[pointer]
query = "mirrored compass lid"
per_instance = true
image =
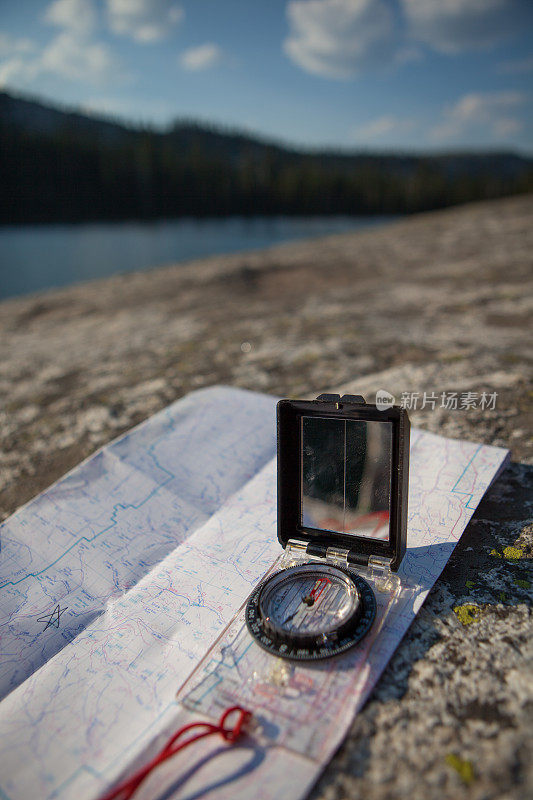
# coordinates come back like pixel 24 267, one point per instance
pixel 343 470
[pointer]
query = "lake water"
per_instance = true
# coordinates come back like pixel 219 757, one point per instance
pixel 35 257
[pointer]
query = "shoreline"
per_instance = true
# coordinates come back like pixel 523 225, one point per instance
pixel 44 257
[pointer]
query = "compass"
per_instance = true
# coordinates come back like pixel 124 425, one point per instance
pixel 310 611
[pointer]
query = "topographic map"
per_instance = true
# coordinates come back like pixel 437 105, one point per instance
pixel 117 581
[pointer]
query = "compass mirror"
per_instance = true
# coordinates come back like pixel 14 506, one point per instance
pixel 345 476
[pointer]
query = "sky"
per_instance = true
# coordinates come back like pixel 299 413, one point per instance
pixel 416 75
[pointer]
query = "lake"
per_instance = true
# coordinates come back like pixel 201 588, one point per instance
pixel 36 257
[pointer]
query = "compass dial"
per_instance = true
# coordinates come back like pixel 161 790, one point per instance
pixel 308 603
pixel 310 611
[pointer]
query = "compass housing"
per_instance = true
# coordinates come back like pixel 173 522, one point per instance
pixel 292 416
pixel 340 614
pixel 331 630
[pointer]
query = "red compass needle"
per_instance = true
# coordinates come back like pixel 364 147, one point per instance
pixel 320 584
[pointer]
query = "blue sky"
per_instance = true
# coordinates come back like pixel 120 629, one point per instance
pixel 378 74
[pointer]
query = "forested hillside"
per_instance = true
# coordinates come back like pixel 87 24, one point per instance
pixel 58 165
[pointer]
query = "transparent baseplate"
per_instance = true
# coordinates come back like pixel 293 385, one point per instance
pixel 294 704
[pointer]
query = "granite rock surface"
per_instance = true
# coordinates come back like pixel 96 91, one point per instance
pixel 439 303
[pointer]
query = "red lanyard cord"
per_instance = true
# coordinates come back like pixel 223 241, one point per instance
pixel 125 790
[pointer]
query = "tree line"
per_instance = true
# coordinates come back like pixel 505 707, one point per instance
pixel 73 173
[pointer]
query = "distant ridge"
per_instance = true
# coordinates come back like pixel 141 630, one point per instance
pixel 62 165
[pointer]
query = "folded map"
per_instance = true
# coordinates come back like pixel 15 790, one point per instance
pixel 117 580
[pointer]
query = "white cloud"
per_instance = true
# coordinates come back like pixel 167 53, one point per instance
pixel 480 107
pixel 75 15
pixel 10 45
pixel 382 126
pixel 70 57
pixel 452 26
pixel 13 71
pixel 338 38
pixel 495 112
pixel 506 126
pixel 202 57
pixel 341 38
pixel 145 21
pixel 72 54
pixel 66 56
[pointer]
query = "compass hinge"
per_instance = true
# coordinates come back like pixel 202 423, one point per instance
pixel 295 549
pixel 337 556
pixel 379 565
